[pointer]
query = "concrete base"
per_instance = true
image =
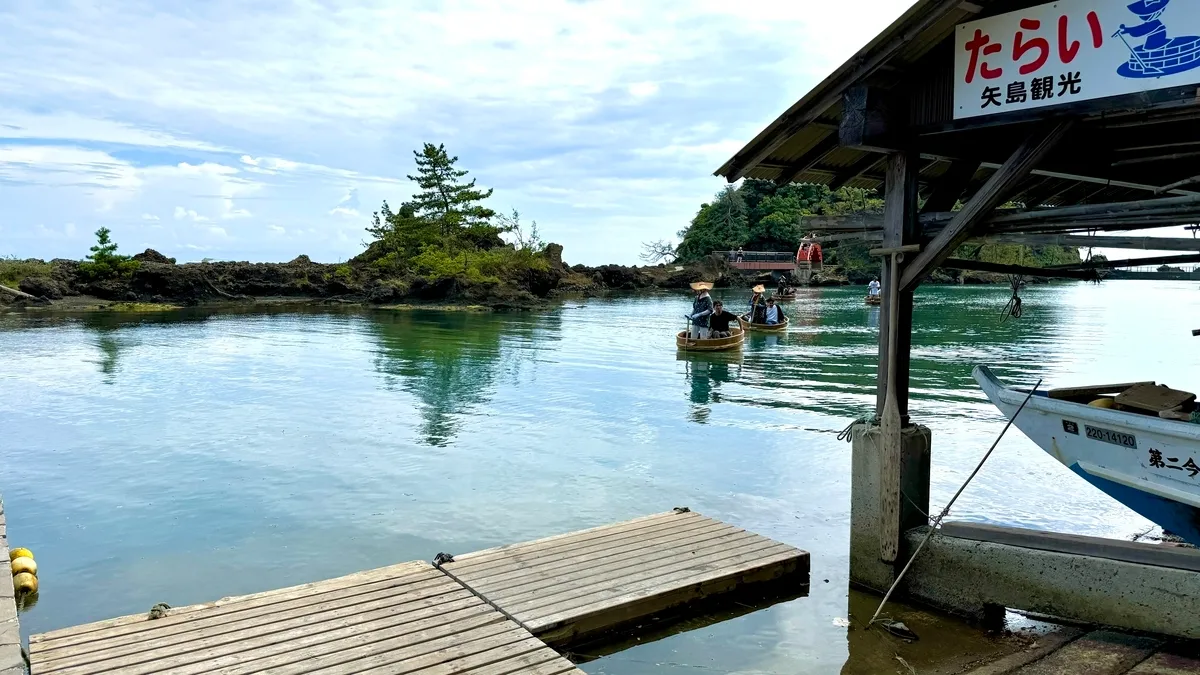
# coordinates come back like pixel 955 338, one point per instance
pixel 866 567
pixel 968 577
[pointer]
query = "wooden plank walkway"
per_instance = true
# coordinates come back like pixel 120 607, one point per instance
pixel 1073 651
pixel 408 618
pixel 487 613
pixel 573 586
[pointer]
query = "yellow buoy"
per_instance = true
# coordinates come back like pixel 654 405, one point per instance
pixel 1102 403
pixel 19 553
pixel 22 565
pixel 25 583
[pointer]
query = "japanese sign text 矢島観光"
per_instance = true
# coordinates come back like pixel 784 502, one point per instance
pixel 1074 50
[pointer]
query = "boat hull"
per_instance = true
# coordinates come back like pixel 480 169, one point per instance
pixel 1141 461
pixel 734 341
pixel 764 327
pixel 873 300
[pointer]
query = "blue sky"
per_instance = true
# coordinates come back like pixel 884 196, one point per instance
pixel 263 130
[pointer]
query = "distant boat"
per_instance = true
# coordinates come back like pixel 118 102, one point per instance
pixel 1150 464
pixel 874 300
pixel 734 341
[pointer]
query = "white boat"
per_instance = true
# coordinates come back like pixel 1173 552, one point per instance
pixel 1150 464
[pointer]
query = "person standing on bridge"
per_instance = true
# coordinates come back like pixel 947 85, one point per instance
pixel 740 256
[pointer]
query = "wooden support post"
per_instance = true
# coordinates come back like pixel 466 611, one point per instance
pixel 979 208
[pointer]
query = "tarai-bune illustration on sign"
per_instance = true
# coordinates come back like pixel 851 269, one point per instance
pixel 1075 50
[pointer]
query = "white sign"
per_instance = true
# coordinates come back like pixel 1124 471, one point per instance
pixel 1074 50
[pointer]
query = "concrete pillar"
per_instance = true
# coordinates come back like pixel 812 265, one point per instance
pixel 866 512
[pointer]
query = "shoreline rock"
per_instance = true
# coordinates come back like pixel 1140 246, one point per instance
pixel 160 281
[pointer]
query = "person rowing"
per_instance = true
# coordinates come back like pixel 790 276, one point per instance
pixel 702 307
pixel 758 305
pixel 873 287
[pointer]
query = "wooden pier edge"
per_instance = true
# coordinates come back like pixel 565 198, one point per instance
pixel 553 591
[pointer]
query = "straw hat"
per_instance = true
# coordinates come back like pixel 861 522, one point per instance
pixel 759 288
pixel 702 285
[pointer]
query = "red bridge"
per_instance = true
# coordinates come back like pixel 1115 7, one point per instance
pixel 807 259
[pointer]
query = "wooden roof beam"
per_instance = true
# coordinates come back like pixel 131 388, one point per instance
pixel 983 203
pixel 1081 241
pixel 950 186
pixel 855 170
pixel 809 159
pixel 1132 262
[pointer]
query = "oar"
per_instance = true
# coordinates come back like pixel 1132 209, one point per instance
pixel 889 423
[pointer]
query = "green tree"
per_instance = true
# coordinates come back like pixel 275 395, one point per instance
pixel 104 262
pixel 454 206
pixel 719 226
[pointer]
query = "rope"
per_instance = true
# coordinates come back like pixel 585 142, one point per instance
pixel 443 558
pixel 847 433
pixel 937 522
pixel 1014 308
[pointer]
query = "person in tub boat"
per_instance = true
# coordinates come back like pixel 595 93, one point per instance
pixel 774 313
pixel 719 320
pixel 873 287
pixel 702 307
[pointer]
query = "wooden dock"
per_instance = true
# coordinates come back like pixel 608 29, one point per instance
pixel 482 613
pixel 571 587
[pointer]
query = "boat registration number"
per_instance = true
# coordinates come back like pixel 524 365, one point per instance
pixel 1110 436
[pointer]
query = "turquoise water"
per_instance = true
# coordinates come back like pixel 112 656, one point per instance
pixel 192 455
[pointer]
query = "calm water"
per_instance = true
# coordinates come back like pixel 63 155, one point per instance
pixel 190 456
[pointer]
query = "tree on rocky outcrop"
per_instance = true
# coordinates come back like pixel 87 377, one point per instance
pixel 104 262
pixel 454 206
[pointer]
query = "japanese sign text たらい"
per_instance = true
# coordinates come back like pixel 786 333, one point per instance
pixel 1074 50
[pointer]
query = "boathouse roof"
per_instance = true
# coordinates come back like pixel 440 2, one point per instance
pixel 1124 148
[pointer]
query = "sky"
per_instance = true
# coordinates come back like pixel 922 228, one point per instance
pixel 264 130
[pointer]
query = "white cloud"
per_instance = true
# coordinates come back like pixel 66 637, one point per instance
pixel 602 120
pixel 643 89
pixel 189 214
pixel 218 231
pixel 149 216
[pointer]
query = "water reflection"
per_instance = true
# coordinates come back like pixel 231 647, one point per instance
pixel 705 374
pixel 451 361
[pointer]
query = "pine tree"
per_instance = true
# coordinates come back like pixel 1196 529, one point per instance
pixel 103 261
pixel 454 206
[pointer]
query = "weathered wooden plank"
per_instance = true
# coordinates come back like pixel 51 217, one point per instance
pixel 592 551
pixel 516 568
pixel 1171 661
pixel 643 567
pixel 296 633
pixel 407 658
pixel 399 632
pixel 515 657
pixel 271 617
pixel 1097 653
pixel 429 583
pixel 609 592
pixel 583 622
pixel 566 541
pixel 404 573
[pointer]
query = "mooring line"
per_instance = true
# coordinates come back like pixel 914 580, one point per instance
pixel 442 558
